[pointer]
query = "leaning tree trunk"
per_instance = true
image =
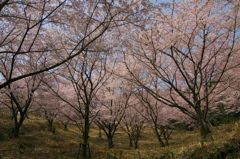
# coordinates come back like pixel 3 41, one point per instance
pixel 158 136
pixel 165 134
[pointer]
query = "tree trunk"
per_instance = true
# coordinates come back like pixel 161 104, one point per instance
pixel 50 126
pixel 130 140
pixel 15 132
pixel 84 150
pixel 85 142
pixel 159 136
pixel 66 127
pixel 99 132
pixel 110 141
pixel 109 130
pixel 136 144
pixel 165 135
pixel 65 124
pixel 17 125
pixel 85 132
pixel 83 147
pixel 204 129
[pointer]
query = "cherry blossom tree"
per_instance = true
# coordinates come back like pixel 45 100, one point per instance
pixel 115 98
pixel 159 116
pixel 59 30
pixel 67 116
pixel 186 50
pixel 49 106
pixel 226 103
pixel 81 80
pixel 84 75
pixel 23 25
pixel 19 98
pixel 21 94
pixel 133 124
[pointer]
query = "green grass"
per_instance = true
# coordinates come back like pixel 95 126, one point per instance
pixel 36 141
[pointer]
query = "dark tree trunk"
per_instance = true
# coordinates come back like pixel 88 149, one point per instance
pixel 84 145
pixel 159 136
pixel 203 124
pixel 164 132
pixel 99 132
pixel 109 130
pixel 136 144
pixel 50 124
pixel 85 132
pixel 137 136
pixel 110 141
pixel 15 132
pixel 168 133
pixel 130 140
pixel 17 124
pixel 66 127
pixel 65 124
pixel 204 129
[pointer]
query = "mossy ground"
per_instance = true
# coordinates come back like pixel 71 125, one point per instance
pixel 37 142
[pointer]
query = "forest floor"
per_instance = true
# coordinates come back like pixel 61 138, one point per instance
pixel 36 142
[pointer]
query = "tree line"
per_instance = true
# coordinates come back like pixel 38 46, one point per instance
pixel 119 63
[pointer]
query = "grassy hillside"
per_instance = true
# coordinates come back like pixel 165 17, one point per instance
pixel 37 142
